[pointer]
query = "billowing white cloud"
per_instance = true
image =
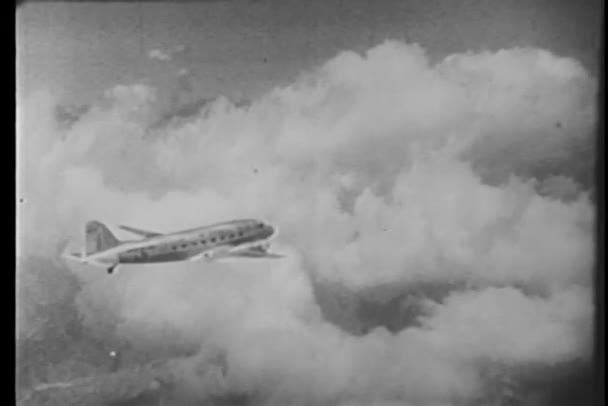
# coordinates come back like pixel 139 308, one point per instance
pixel 380 170
pixel 504 324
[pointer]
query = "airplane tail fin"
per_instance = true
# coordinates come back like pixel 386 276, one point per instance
pixel 99 238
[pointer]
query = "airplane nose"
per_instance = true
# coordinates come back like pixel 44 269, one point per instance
pixel 269 230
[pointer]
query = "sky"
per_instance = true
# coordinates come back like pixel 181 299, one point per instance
pixel 244 48
pixel 428 165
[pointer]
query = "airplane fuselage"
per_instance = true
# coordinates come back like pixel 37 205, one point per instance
pixel 209 242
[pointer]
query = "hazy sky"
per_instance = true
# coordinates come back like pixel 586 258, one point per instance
pixel 242 48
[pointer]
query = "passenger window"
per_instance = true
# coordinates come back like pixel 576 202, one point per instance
pixel 203 242
pixel 213 240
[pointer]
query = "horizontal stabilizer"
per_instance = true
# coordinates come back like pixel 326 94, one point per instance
pixel 74 256
pixel 143 233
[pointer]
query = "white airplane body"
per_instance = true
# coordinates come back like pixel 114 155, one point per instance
pixel 246 238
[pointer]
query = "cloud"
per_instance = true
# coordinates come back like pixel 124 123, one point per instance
pixel 561 187
pixel 505 324
pixel 159 55
pixel 382 170
pixel 167 54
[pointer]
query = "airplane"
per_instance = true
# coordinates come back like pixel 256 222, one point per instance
pixel 245 238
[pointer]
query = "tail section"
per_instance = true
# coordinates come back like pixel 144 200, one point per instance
pixel 99 238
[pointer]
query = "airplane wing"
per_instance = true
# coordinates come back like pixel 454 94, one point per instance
pixel 143 233
pixel 211 255
pixel 254 252
pixel 223 253
pixel 200 256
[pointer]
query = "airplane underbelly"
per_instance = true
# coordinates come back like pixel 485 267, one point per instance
pixel 169 257
pixel 155 258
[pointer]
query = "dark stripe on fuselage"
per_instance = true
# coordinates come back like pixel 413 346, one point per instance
pixel 168 257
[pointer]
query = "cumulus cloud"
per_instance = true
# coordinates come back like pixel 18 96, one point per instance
pixel 560 186
pixel 381 170
pixel 505 324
